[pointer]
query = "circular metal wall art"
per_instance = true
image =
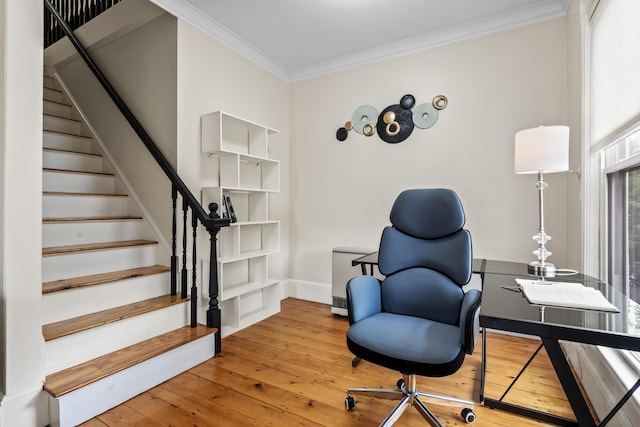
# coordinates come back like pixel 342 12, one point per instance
pixel 399 128
pixel 364 115
pixel 440 102
pixel 396 122
pixel 425 116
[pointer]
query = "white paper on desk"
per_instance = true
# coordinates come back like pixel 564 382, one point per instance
pixel 565 294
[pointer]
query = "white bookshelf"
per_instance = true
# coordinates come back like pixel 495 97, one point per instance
pixel 247 175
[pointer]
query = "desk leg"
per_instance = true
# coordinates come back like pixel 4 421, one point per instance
pixel 483 363
pixel 619 405
pixel 513 408
pixel 569 383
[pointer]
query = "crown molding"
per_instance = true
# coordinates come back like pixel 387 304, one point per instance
pixel 543 10
pixel 520 17
pixel 209 26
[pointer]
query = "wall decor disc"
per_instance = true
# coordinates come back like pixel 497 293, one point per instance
pixel 407 101
pixel 397 130
pixel 425 116
pixel 342 134
pixel 363 115
pixel 440 102
pixel 368 129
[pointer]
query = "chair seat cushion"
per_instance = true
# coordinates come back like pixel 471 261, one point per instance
pixel 411 345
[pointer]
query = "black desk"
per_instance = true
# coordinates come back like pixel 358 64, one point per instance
pixel 507 310
pixel 371 260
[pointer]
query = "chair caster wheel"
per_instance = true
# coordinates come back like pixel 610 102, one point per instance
pixel 468 415
pixel 400 384
pixel 349 403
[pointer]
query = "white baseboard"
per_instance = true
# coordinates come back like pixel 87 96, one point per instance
pixel 305 290
pixel 27 408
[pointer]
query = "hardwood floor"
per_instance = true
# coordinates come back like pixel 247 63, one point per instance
pixel 294 368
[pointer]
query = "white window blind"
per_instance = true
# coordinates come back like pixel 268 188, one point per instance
pixel 615 71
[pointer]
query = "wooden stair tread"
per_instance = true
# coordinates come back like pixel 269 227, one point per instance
pixel 76 171
pixel 55 102
pixel 91 219
pixel 81 194
pixel 65 133
pixel 68 380
pixel 63 328
pixel 56 250
pixel 97 279
pixel 60 150
pixel 61 117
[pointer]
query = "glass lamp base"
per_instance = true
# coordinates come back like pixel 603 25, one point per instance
pixel 542 269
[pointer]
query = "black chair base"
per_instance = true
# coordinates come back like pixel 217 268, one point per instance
pixel 408 395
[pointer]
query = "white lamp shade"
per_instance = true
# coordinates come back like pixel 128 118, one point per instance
pixel 542 149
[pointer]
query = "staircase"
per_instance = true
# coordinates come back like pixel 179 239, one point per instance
pixel 111 328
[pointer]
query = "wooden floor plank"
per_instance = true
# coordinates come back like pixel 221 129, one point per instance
pixel 297 362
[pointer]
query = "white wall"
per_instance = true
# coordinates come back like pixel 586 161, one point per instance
pixel 141 65
pixel 496 84
pixel 22 367
pixel 213 78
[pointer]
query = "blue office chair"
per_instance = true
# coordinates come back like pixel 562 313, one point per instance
pixel 418 320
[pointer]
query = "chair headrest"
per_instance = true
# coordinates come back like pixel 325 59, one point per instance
pixel 429 213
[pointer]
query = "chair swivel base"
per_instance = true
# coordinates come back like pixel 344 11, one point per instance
pixel 408 395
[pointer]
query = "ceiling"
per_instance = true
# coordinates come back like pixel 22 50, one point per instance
pixel 298 39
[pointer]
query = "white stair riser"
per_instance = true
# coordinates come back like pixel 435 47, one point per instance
pixel 77 183
pixel 57 206
pixel 72 161
pixel 107 338
pixel 56 267
pixel 81 405
pixel 60 124
pixel 57 306
pixel 56 109
pixel 76 233
pixel 52 95
pixel 48 82
pixel 66 142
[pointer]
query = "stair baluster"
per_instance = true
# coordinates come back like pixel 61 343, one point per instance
pixel 183 287
pixel 76 13
pixel 174 256
pixel 194 287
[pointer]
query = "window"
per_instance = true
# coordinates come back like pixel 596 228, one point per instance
pixel 612 147
pixel 623 205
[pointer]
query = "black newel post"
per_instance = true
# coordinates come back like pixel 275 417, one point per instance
pixel 214 318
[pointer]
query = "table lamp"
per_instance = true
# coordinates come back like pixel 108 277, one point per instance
pixel 541 150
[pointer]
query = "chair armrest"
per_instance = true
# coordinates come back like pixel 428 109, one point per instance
pixel 469 319
pixel 363 298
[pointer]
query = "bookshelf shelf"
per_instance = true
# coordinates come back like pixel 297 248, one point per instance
pixel 246 178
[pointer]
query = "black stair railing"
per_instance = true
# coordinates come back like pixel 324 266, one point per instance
pixel 75 13
pixel 211 221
